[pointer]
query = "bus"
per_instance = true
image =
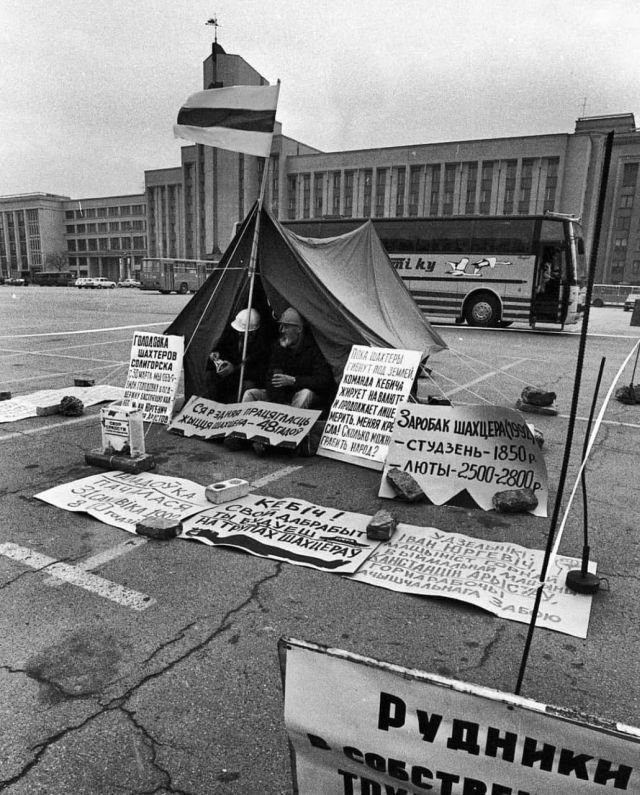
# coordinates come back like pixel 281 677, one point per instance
pixel 611 294
pixel 485 270
pixel 174 275
pixel 53 278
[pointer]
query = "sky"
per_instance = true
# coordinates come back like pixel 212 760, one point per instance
pixel 90 89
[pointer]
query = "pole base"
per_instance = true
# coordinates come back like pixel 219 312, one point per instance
pixel 582 583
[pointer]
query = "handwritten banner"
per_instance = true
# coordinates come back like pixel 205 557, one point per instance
pixel 154 372
pixel 478 449
pixel 19 408
pixel 122 500
pixel 500 577
pixel 374 382
pixel 365 727
pixel 274 423
pixel 292 530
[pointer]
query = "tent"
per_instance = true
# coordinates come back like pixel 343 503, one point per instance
pixel 345 287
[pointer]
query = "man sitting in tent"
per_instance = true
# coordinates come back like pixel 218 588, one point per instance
pixel 224 363
pixel 298 373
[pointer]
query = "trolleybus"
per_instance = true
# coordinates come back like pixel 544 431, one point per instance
pixel 174 275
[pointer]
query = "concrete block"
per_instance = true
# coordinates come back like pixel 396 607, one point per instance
pixel 84 380
pixel 45 411
pixel 227 490
pixel 5 395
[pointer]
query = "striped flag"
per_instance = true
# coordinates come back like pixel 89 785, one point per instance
pixel 240 118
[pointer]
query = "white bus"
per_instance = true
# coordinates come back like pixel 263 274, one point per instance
pixel 485 270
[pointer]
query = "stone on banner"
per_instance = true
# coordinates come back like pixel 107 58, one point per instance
pixel 84 380
pixel 404 485
pixel 515 501
pixel 71 406
pixel 159 528
pixel 382 526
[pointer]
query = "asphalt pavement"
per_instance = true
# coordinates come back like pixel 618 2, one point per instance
pixel 186 694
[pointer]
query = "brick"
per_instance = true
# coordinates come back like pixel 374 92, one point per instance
pixel 226 490
pixel 381 527
pixel 159 528
pixel 132 465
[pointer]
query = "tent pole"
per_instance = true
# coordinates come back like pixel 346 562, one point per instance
pixel 252 272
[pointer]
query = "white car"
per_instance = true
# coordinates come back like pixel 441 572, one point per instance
pixel 129 283
pixel 95 283
pixel 630 300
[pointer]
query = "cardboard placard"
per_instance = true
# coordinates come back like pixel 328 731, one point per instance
pixel 122 430
pixel 478 449
pixel 359 425
pixel 274 423
pixel 361 726
pixel 154 373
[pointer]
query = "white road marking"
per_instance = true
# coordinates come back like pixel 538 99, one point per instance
pixel 464 387
pixel 62 356
pixel 83 331
pixel 74 575
pixel 279 473
pixel 107 555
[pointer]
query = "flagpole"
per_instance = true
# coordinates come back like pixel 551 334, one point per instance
pixel 252 264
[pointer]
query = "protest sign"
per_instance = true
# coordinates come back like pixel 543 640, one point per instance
pixel 122 500
pixel 482 450
pixel 359 425
pixel 24 406
pixel 286 529
pixel 359 726
pixel 274 423
pixel 497 576
pixel 154 372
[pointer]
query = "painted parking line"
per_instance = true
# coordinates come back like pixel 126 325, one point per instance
pixel 74 575
pixel 464 387
pixel 81 331
pixel 106 556
pixel 279 473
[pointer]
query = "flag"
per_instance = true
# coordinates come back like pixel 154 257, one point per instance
pixel 240 118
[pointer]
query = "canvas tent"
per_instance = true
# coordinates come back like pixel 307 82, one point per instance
pixel 345 287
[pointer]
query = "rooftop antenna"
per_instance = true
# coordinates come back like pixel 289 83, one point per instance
pixel 214 21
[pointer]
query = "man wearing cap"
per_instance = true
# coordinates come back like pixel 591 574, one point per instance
pixel 298 373
pixel 223 364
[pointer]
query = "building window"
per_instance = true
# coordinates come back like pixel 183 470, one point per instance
pixel 336 192
pixel 318 190
pixel 472 179
pixel 381 190
pixel 551 183
pixel 69 214
pixel 414 189
pixel 526 183
pixel 448 193
pixel 348 193
pixel 626 202
pixel 623 222
pixel 367 176
pixel 70 229
pixel 400 188
pixel 635 267
pixel 629 175
pixel 434 198
pixel 80 229
pixel 291 197
pixel 509 186
pixel 114 243
pixel 306 195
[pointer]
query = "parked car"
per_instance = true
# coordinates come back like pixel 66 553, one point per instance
pixel 95 283
pixel 16 281
pixel 630 300
pixel 128 283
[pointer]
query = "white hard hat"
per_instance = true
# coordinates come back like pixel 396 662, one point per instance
pixel 246 315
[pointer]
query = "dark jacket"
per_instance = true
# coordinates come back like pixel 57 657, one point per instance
pixel 309 367
pixel 255 366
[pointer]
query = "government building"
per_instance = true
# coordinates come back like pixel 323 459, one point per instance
pixel 190 211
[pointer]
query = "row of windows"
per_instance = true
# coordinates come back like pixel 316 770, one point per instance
pixel 115 211
pixel 112 226
pixel 106 244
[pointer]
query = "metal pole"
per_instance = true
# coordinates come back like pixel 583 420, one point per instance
pixel 574 407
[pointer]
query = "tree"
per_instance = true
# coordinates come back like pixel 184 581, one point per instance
pixel 56 261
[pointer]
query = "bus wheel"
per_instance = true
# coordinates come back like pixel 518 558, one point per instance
pixel 482 310
pixel 184 288
pixel 597 302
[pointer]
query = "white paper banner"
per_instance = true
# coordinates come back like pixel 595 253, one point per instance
pixel 498 576
pixel 154 372
pixel 122 500
pixel 286 529
pixel 374 382
pixel 478 449
pixel 19 408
